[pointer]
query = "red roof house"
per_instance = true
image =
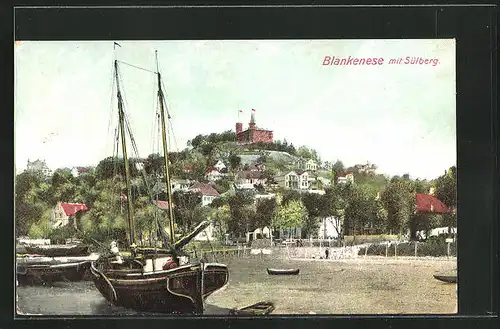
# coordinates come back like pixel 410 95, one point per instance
pixel 426 203
pixel 63 211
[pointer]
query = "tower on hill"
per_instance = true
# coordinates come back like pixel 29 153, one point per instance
pixel 253 134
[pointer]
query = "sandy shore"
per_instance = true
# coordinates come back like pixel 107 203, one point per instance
pixel 371 285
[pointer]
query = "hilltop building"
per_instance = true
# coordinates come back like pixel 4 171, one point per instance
pixel 253 134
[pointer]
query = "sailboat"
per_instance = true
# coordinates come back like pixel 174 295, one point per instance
pixel 152 279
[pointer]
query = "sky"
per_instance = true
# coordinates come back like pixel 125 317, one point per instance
pixel 400 117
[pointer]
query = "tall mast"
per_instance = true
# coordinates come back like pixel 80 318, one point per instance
pixel 165 153
pixel 121 117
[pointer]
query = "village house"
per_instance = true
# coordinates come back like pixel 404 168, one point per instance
pixel 247 179
pixel 78 171
pixel 367 168
pixel 62 213
pixel 208 193
pixel 309 164
pixel 38 166
pixel 257 167
pixel 212 174
pixel 298 180
pixel 220 165
pixel 346 177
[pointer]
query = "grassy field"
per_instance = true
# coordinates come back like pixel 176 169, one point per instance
pixel 359 286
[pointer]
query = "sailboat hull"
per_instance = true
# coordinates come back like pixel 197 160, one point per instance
pixel 177 290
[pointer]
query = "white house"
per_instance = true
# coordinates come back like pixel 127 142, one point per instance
pixel 208 193
pixel 304 180
pixel 212 174
pixel 311 165
pixel 329 228
pixel 219 165
pixel 325 182
pixel 40 166
pixel 347 177
pixel 206 235
pixel 247 178
pixel 77 171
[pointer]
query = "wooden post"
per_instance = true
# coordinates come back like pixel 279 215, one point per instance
pixel 386 250
pixel 416 243
pixel 396 250
pixel 366 250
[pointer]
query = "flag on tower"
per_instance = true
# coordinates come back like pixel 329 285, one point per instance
pixel 253 110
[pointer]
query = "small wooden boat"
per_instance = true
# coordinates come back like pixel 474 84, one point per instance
pixel 58 250
pixel 291 271
pixel 43 270
pixel 260 308
pixel 446 278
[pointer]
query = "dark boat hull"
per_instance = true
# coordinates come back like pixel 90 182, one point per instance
pixel 446 278
pixel 40 273
pixel 58 250
pixel 272 271
pixel 171 291
pixel 260 308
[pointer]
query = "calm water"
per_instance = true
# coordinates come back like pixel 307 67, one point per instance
pixel 76 298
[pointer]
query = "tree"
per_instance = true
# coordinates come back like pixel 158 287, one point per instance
pixel 185 209
pixel 220 217
pixel 290 215
pixel 399 201
pixel 361 210
pixel 315 205
pixel 336 201
pixel 338 167
pixel 241 211
pixel 234 161
pixel 265 212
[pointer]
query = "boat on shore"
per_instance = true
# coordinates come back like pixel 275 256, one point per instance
pixel 38 269
pixel 290 271
pixel 446 278
pixel 58 250
pixel 159 280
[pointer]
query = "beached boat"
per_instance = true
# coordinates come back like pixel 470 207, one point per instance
pixel 46 269
pixel 158 280
pixel 290 271
pixel 446 278
pixel 58 250
pixel 260 308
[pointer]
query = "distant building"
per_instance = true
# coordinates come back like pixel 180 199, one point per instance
pixel 297 180
pixel 249 178
pixel 212 174
pixel 368 168
pixel 253 134
pixel 208 193
pixel 346 177
pixel 77 171
pixel 62 213
pixel 38 166
pixel 309 164
pixel 219 165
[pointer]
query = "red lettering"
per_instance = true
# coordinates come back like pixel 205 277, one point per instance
pixel 327 60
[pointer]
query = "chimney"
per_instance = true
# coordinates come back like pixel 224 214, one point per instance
pixel 239 128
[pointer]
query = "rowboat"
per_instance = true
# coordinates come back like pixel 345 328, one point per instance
pixel 290 271
pixel 446 278
pixel 260 308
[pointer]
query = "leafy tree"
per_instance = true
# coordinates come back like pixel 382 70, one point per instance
pixel 399 201
pixel 361 211
pixel 338 167
pixel 290 215
pixel 220 217
pixel 446 188
pixel 316 207
pixel 234 161
pixel 241 211
pixel 265 212
pixel 185 209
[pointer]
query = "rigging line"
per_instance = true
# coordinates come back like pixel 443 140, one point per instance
pixel 137 67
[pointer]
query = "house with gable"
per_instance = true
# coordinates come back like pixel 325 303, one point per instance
pixel 346 177
pixel 208 193
pixel 212 174
pixel 220 165
pixel 78 171
pixel 249 178
pixel 62 213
